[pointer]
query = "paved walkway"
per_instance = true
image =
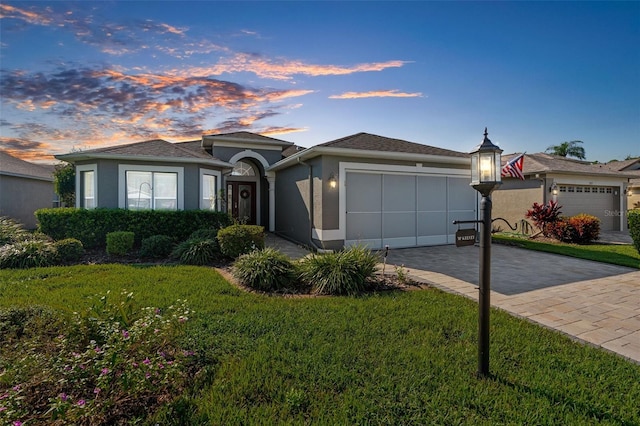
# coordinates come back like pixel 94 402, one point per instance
pixel 590 301
pixel 594 302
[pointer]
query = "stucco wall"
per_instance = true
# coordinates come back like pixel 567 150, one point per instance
pixel 21 197
pixel 512 200
pixel 108 176
pixel 292 206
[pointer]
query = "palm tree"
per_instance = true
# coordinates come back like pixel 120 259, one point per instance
pixel 568 149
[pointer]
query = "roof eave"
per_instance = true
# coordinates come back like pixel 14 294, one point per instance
pixel 371 154
pixel 209 140
pixel 21 175
pixel 73 157
pixel 572 172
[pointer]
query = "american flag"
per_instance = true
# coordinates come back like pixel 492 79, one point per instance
pixel 514 167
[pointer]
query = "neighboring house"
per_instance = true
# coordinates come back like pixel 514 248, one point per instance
pixel 578 186
pixel 633 190
pixel 359 189
pixel 24 188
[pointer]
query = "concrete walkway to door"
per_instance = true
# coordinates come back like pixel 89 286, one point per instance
pixel 591 301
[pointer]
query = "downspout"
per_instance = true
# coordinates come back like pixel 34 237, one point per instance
pixel 311 243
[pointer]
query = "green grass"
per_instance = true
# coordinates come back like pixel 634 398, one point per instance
pixel 386 358
pixel 616 254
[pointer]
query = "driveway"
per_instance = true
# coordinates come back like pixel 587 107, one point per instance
pixel 594 302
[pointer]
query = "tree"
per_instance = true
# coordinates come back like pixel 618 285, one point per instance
pixel 65 183
pixel 568 149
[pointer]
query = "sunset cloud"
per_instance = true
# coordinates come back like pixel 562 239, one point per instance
pixel 100 102
pixel 377 94
pixel 284 69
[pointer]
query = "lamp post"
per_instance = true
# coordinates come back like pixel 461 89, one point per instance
pixel 485 177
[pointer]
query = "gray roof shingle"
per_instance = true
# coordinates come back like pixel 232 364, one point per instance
pixel 367 141
pixel 546 163
pixel 14 166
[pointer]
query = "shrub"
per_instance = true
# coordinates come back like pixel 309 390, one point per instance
pixel 119 243
pixel 266 269
pixel 11 231
pixel 28 254
pixel 28 322
pixel 579 229
pixel 586 228
pixel 91 226
pixel 197 252
pixel 634 227
pixel 236 240
pixel 95 370
pixel 157 247
pixel 544 214
pixel 69 250
pixel 204 234
pixel 345 272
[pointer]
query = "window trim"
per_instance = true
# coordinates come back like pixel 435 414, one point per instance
pixel 122 181
pixel 218 176
pixel 79 170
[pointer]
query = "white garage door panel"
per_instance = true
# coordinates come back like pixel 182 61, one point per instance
pixel 599 204
pixel 403 210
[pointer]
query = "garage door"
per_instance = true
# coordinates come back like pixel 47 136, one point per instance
pixel 599 201
pixel 405 210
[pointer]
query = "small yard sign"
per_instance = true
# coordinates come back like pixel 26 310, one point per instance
pixel 465 237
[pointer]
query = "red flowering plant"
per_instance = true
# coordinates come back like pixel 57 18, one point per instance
pixel 544 215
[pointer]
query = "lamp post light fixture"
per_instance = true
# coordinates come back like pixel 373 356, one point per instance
pixel 485 177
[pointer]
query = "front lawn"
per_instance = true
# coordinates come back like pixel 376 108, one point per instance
pixel 616 254
pixel 385 358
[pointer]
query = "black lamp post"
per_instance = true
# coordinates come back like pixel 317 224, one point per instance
pixel 485 177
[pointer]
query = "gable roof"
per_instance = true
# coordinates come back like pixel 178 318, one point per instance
pixel 625 165
pixel 243 138
pixel 13 166
pixel 366 145
pixel 542 163
pixel 151 150
pixel 370 142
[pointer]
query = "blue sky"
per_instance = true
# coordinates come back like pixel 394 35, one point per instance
pixel 80 75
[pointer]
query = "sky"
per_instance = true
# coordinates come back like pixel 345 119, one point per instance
pixel 82 75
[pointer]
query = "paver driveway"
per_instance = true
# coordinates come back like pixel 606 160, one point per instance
pixel 592 301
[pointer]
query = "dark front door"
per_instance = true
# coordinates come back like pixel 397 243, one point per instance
pixel 241 201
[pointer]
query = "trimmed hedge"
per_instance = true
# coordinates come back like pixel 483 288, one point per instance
pixel 92 226
pixel 236 240
pixel 634 227
pixel 119 243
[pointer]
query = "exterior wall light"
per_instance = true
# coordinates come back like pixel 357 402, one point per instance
pixel 333 181
pixel 553 189
pixel 628 192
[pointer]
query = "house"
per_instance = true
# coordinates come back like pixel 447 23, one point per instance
pixel 24 188
pixel 578 186
pixel 362 188
pixel 631 166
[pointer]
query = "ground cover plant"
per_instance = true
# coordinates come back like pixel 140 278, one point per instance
pixel 616 254
pixel 380 358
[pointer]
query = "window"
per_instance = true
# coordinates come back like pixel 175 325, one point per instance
pixel 243 168
pixel 609 190
pixel 152 190
pixel 86 182
pixel 601 190
pixel 88 194
pixel 150 187
pixel 578 189
pixel 587 189
pixel 209 189
pixel 571 189
pixel 563 188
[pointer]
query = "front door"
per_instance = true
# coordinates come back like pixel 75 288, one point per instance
pixel 241 201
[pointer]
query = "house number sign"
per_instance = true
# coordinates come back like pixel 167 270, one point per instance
pixel 465 237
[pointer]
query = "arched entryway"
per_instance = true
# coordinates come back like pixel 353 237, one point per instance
pixel 243 192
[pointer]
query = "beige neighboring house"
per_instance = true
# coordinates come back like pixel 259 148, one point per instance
pixel 578 186
pixel 633 189
pixel 24 188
